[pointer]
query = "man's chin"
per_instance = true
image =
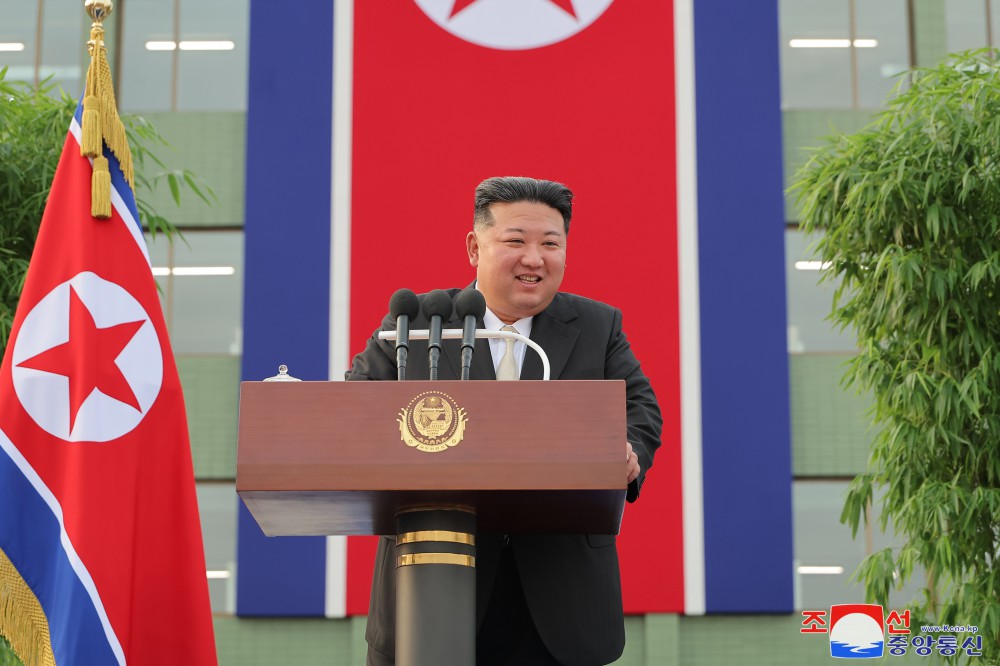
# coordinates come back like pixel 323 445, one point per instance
pixel 531 307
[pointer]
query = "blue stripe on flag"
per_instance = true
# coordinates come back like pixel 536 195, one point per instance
pixel 32 538
pixel 746 444
pixel 120 185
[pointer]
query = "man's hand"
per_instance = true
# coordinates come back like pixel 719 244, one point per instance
pixel 631 463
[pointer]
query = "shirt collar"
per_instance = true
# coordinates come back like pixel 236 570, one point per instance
pixel 491 322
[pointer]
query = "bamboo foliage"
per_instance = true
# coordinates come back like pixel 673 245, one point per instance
pixel 907 212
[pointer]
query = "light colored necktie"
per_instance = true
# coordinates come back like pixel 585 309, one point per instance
pixel 507 370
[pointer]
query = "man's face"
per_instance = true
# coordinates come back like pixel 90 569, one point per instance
pixel 520 260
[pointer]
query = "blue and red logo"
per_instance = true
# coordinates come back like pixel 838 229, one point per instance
pixel 857 631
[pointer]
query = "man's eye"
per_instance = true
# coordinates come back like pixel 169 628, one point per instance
pixel 519 241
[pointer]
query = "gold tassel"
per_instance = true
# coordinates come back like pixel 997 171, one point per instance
pixel 101 125
pixel 112 127
pixel 100 189
pixel 22 620
pixel 91 142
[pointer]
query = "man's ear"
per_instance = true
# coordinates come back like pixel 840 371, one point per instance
pixel 472 247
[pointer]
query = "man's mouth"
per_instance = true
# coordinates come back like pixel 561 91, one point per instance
pixel 529 279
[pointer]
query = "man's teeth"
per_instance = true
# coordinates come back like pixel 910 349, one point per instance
pixel 529 278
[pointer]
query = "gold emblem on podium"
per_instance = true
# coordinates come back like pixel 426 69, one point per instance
pixel 432 422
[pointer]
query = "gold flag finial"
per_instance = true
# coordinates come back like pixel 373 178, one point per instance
pixel 98 9
pixel 101 124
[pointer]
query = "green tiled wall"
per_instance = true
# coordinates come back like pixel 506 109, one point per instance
pixel 212 145
pixel 830 433
pixel 930 38
pixel 300 641
pixel 749 639
pixel 661 637
pixel 211 397
pixel 652 640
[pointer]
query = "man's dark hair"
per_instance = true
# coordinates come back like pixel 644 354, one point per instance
pixel 514 189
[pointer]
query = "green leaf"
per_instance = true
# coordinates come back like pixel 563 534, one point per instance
pixel 175 188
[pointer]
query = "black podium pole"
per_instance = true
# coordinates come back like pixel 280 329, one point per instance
pixel 436 586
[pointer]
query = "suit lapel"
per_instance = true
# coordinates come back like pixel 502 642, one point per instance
pixel 482 360
pixel 451 353
pixel 551 330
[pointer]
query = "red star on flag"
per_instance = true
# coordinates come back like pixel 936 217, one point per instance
pixel 565 5
pixel 88 358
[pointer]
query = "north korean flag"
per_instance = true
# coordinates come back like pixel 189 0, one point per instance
pixel 101 557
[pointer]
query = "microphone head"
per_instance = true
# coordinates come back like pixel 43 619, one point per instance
pixel 470 302
pixel 404 302
pixel 438 302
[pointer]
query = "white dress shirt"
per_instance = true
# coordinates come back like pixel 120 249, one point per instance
pixel 497 346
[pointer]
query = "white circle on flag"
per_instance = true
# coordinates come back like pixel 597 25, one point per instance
pixel 46 395
pixel 513 24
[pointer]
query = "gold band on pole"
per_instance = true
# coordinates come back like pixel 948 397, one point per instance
pixel 436 558
pixel 436 535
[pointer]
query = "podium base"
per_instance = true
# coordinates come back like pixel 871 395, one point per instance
pixel 436 586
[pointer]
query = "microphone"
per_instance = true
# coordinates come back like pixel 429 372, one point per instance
pixel 437 304
pixel 403 306
pixel 470 306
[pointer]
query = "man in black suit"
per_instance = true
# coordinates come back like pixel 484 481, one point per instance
pixel 541 599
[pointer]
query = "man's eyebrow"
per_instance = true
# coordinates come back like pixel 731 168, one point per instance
pixel 519 230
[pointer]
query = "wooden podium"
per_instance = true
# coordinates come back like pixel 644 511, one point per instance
pixel 433 463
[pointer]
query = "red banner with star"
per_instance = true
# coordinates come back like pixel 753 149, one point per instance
pixel 449 92
pixel 99 530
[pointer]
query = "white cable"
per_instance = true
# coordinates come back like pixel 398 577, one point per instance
pixel 456 334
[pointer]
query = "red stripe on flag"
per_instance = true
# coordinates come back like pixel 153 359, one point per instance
pixel 360 566
pixel 434 115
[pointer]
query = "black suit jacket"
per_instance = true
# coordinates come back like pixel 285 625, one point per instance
pixel 571 582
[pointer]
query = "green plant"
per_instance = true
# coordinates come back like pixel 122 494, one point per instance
pixel 33 125
pixel 7 656
pixel 907 214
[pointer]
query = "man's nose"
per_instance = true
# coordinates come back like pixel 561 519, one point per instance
pixel 532 256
